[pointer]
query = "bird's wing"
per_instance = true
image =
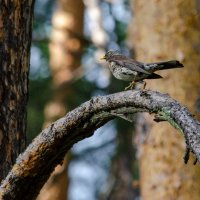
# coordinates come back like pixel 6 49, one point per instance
pixel 135 66
pixel 129 63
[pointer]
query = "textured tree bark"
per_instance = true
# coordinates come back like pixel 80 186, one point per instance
pixel 168 30
pixel 65 58
pixel 35 165
pixel 15 40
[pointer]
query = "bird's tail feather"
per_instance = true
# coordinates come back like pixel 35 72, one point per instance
pixel 169 65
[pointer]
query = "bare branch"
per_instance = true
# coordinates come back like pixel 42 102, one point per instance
pixel 35 165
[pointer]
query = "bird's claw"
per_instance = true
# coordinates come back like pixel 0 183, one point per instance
pixel 131 85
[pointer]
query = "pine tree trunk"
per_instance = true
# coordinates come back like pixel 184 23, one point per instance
pixel 15 40
pixel 65 53
pixel 166 30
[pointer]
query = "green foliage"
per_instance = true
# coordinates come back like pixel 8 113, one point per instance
pixel 119 28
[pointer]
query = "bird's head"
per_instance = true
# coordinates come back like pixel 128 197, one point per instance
pixel 109 54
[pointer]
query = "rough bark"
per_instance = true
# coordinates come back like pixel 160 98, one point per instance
pixel 35 165
pixel 165 30
pixel 65 53
pixel 15 40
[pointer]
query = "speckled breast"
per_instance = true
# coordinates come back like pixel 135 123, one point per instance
pixel 122 73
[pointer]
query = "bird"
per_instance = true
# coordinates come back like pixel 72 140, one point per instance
pixel 127 69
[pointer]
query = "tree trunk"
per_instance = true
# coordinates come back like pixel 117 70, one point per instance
pixel 15 40
pixel 65 53
pixel 166 30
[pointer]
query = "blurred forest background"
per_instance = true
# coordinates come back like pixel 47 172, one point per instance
pixel 69 38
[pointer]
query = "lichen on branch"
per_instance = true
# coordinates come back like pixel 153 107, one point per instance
pixel 47 150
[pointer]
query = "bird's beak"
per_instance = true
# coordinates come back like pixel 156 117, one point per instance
pixel 103 58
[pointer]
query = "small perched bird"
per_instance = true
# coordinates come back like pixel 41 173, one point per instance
pixel 130 70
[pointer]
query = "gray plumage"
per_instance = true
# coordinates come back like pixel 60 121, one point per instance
pixel 127 69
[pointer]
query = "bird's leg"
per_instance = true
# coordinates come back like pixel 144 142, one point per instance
pixel 126 88
pixel 131 85
pixel 144 85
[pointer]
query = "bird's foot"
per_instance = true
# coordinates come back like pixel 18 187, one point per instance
pixel 144 85
pixel 131 85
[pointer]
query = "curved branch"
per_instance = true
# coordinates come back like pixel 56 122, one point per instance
pixel 35 165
